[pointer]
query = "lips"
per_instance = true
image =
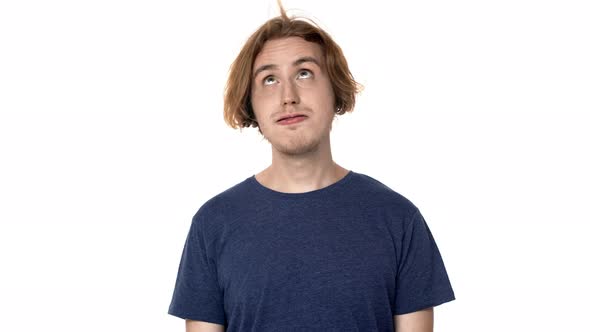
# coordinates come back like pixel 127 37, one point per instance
pixel 289 116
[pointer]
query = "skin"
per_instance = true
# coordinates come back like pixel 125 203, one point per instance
pixel 199 326
pixel 419 321
pixel 301 153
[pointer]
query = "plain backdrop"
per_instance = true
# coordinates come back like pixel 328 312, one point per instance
pixel 112 136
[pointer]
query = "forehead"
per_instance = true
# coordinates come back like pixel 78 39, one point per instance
pixel 286 50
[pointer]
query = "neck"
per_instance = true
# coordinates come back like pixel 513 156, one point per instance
pixel 302 172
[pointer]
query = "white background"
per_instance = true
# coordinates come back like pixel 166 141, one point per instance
pixel 112 136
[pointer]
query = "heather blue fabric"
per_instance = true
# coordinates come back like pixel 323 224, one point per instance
pixel 346 257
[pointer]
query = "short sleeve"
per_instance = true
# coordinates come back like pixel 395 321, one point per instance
pixel 422 280
pixel 197 295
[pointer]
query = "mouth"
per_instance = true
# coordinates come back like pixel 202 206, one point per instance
pixel 295 118
pixel 291 116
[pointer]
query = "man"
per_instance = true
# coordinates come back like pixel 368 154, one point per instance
pixel 304 245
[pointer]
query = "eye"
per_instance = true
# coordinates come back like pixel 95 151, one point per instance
pixel 268 80
pixel 305 73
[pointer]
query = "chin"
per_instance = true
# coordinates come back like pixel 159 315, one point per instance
pixel 295 147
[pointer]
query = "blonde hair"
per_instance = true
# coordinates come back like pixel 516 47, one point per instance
pixel 237 108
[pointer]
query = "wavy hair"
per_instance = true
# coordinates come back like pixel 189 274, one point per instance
pixel 237 106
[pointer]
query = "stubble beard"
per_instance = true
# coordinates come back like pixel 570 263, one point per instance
pixel 299 143
pixel 296 144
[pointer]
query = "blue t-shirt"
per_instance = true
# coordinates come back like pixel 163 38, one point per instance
pixel 346 257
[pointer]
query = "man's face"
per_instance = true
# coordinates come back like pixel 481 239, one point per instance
pixel 290 78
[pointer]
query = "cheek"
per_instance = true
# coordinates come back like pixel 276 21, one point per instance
pixel 262 99
pixel 326 91
pixel 323 97
pixel 258 105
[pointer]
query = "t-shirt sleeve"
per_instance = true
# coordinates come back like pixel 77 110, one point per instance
pixel 422 280
pixel 197 294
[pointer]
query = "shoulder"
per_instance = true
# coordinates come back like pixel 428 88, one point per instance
pixel 378 194
pixel 224 205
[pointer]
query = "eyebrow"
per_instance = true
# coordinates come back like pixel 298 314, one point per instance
pixel 295 64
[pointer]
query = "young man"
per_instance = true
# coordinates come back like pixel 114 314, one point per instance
pixel 304 245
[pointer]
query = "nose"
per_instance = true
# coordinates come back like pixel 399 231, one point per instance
pixel 290 94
